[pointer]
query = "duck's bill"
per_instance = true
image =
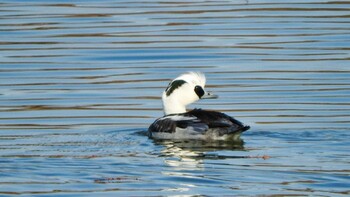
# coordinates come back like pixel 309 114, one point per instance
pixel 208 95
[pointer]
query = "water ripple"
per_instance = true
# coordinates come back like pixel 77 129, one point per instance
pixel 81 81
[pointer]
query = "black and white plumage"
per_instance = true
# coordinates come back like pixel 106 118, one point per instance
pixel 195 124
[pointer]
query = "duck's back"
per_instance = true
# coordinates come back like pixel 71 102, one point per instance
pixel 197 124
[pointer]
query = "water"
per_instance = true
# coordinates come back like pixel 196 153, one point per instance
pixel 81 81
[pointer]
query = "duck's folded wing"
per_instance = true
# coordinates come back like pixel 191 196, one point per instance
pixel 216 119
pixel 171 123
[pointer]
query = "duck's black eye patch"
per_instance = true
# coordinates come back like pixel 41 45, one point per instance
pixel 173 86
pixel 199 91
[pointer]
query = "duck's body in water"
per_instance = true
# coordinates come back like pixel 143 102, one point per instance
pixel 195 124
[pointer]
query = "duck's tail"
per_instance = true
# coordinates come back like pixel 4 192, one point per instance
pixel 244 128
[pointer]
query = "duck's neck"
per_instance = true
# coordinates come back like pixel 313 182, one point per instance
pixel 173 108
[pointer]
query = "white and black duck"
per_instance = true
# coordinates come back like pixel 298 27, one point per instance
pixel 195 124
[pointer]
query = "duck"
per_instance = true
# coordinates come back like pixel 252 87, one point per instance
pixel 196 124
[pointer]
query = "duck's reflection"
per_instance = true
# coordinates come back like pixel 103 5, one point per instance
pixel 189 154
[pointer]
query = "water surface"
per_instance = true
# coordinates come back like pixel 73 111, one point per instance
pixel 80 82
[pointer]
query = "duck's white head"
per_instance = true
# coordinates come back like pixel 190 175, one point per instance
pixel 183 90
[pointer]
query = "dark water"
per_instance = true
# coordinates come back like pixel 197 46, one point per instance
pixel 81 81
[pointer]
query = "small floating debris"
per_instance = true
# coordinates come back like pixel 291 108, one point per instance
pixel 265 157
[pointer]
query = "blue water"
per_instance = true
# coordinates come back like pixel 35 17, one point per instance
pixel 80 82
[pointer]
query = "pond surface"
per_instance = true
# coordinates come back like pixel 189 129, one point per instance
pixel 80 82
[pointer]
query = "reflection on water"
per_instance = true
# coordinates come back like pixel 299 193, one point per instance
pixel 190 154
pixel 199 145
pixel 182 159
pixel 79 80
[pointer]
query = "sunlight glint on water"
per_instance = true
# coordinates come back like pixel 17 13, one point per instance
pixel 80 82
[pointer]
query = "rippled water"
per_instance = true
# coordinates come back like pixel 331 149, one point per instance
pixel 81 81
